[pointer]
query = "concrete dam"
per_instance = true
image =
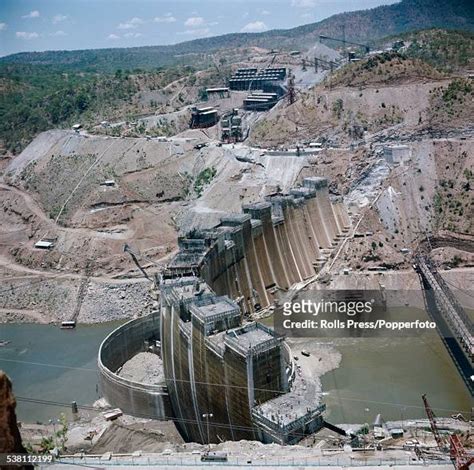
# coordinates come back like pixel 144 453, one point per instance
pixel 269 247
pixel 227 378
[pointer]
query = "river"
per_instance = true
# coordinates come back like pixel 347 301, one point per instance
pixel 47 363
pixel 376 375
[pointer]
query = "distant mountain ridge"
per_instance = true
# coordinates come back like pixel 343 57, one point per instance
pixel 360 26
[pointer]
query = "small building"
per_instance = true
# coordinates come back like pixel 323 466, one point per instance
pixel 219 92
pixel 203 117
pixel 44 244
pixel 108 183
pixel 260 101
pixel 253 79
pixel 397 154
pixel 231 127
pixel 396 432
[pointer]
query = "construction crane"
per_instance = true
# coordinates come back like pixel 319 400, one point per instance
pixel 328 63
pixel 460 458
pixel 135 255
pixel 434 427
pixel 345 41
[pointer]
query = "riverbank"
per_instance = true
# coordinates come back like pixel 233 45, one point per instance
pixel 53 300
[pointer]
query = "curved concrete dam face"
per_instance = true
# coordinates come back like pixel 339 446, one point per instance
pixel 135 398
pixel 271 246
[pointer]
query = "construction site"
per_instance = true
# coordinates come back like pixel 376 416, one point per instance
pixel 191 227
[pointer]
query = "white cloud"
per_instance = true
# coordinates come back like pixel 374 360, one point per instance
pixel 58 18
pixel 32 14
pixel 194 21
pixel 58 33
pixel 303 3
pixel 168 18
pixel 25 35
pixel 264 12
pixel 254 27
pixel 197 32
pixel 3 26
pixel 113 37
pixel 131 24
pixel 132 35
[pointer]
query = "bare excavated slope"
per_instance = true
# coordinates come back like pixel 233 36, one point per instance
pixel 53 190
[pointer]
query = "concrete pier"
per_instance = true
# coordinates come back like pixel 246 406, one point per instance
pixel 272 245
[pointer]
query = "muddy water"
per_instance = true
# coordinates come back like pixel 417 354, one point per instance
pixel 388 376
pixel 47 363
pixel 376 375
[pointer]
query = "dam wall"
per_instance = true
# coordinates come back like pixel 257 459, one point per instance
pixel 221 371
pixel 272 245
pixel 135 398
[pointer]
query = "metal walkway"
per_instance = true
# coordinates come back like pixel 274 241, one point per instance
pixel 454 325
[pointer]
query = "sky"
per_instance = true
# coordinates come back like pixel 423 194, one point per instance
pixel 39 25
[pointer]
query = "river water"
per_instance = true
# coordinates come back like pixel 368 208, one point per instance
pixel 376 375
pixel 47 363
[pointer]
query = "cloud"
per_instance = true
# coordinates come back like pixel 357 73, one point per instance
pixel 3 26
pixel 25 35
pixel 264 12
pixel 132 35
pixel 194 21
pixel 58 33
pixel 197 32
pixel 131 24
pixel 58 18
pixel 254 27
pixel 32 14
pixel 168 18
pixel 113 37
pixel 303 3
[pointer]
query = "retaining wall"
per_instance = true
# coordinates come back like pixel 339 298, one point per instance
pixel 137 399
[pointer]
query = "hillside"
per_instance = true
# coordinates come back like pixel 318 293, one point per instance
pixel 365 25
pixel 385 68
pixel 448 50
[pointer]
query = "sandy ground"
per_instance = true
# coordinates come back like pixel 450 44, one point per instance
pixel 145 367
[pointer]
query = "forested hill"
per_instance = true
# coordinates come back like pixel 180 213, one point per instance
pixel 361 26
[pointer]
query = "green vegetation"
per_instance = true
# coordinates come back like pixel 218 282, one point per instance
pixel 456 91
pixel 451 105
pixel 445 50
pixel 338 107
pixel 203 179
pixel 34 98
pixel 384 68
pixel 57 440
pixel 453 200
